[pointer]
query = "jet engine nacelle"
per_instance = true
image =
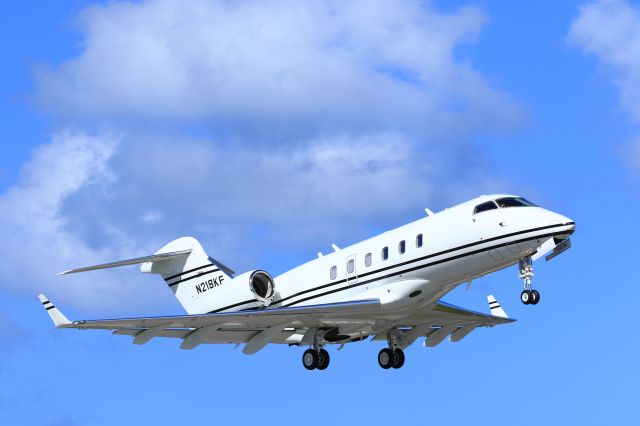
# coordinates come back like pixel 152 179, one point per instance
pixel 260 284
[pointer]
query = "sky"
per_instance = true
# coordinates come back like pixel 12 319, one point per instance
pixel 270 130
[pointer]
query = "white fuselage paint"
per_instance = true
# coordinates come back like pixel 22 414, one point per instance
pixel 457 246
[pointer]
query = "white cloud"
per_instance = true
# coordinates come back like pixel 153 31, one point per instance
pixel 81 198
pixel 55 171
pixel 38 239
pixel 323 64
pixel 322 121
pixel 152 216
pixel 610 30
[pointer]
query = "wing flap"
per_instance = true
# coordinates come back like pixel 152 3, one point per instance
pixel 297 316
pixel 179 333
pixel 446 310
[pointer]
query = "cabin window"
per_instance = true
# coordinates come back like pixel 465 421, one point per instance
pixel 402 247
pixel 367 260
pixel 333 273
pixel 350 266
pixel 489 205
pixel 419 240
pixel 385 253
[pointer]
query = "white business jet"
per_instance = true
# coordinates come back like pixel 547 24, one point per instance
pixel 387 287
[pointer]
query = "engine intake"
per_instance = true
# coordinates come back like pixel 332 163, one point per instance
pixel 262 286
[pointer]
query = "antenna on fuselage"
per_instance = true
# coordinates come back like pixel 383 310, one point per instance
pixel 335 247
pixel 429 212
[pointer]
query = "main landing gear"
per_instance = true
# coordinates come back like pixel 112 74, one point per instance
pixel 314 358
pixel 528 295
pixel 392 356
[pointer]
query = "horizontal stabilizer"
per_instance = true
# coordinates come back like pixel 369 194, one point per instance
pixel 223 267
pixel 57 317
pixel 160 257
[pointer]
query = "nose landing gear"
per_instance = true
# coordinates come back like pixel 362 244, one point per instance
pixel 528 295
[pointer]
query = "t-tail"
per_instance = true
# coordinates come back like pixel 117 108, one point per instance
pixel 189 272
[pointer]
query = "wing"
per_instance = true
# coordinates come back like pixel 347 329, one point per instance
pixel 278 325
pixel 340 323
pixel 443 320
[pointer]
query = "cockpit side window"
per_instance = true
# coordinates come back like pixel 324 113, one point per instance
pixel 489 205
pixel 527 202
pixel 514 202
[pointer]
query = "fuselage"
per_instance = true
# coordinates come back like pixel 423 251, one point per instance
pixel 442 250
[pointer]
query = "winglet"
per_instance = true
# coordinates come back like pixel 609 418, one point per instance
pixel 496 309
pixel 57 317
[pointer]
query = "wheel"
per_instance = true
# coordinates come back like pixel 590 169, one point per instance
pixel 310 359
pixel 526 297
pixel 385 358
pixel 398 358
pixel 536 297
pixel 323 360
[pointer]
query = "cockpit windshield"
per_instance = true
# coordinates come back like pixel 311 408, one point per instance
pixel 489 205
pixel 503 203
pixel 514 202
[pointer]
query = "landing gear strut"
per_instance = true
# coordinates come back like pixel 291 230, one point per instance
pixel 528 295
pixel 316 357
pixel 393 356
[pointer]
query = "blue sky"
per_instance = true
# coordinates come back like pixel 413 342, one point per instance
pixel 125 125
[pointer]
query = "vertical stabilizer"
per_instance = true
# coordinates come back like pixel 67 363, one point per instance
pixel 190 277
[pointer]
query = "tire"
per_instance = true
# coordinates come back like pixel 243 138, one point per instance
pixel 310 359
pixel 385 358
pixel 398 358
pixel 536 297
pixel 323 360
pixel 526 297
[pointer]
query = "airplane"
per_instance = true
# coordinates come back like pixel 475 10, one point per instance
pixel 387 288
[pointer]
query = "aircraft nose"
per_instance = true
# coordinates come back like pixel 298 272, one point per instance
pixel 564 220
